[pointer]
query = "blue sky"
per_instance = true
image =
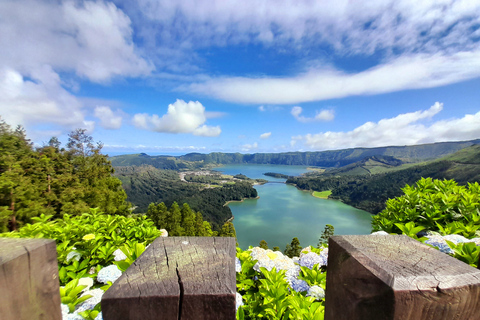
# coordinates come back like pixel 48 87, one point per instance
pixel 171 77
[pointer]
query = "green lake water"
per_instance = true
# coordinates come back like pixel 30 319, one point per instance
pixel 283 212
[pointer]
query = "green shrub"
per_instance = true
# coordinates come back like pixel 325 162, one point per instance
pixel 85 243
pixel 434 205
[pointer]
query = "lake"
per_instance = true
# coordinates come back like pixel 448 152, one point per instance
pixel 283 212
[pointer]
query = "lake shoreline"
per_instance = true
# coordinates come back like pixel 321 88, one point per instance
pixel 231 201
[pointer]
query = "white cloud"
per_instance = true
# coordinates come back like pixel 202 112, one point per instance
pixel 265 135
pixel 407 72
pixel 181 117
pixel 404 129
pixel 44 43
pixel 93 39
pixel 269 108
pixel 346 26
pixel 41 100
pixel 108 119
pixel 324 115
pixel 249 147
pixel 207 131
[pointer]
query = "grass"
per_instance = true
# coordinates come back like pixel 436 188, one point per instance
pixel 322 194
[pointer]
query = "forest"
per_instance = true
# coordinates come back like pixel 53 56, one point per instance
pixel 53 180
pixel 369 192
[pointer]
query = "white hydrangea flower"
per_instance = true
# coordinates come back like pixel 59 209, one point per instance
pixel 317 292
pixel 119 255
pixel 440 243
pixel 238 301
pixel 74 316
pixel 85 282
pixel 110 273
pixel 456 238
pixel 89 304
pixel 164 233
pixel 75 255
pixel 65 310
pixel 379 233
pixel 99 316
pixel 238 265
pixel 270 259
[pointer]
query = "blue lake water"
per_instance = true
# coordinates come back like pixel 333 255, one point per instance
pixel 283 212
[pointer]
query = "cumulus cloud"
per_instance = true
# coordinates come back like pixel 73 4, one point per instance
pixel 404 129
pixel 39 100
pixel 407 72
pixel 249 147
pixel 41 51
pixel 92 39
pixel 265 135
pixel 323 115
pixel 181 117
pixel 108 119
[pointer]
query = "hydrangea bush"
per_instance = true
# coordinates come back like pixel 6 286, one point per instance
pixel 271 285
pixel 92 250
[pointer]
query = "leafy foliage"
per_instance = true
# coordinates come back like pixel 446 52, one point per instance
pixel 69 294
pixel 88 241
pixel 433 205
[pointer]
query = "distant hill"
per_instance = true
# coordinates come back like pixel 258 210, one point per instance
pixel 368 165
pixel 327 159
pixel 369 192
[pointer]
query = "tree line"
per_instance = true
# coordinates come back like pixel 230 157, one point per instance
pixel 54 180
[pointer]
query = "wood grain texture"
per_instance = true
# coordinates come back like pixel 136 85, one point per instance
pixel 177 278
pixel 29 286
pixel 396 277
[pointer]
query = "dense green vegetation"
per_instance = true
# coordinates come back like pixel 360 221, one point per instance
pixel 332 158
pixel 145 185
pixel 370 191
pixel 52 180
pixel 277 175
pixel 434 205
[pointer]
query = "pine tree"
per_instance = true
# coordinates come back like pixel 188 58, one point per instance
pixel 173 220
pixel 326 234
pixel 263 244
pixel 293 249
pixel 208 229
pixel 188 220
pixel 228 230
pixel 276 249
pixel 200 230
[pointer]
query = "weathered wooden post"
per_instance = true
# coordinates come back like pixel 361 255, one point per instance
pixel 29 287
pixel 396 277
pixel 188 278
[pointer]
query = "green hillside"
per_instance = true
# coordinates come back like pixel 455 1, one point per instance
pixel 328 159
pixel 147 184
pixel 370 191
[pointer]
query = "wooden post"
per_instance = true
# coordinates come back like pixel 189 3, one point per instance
pixel 396 277
pixel 188 278
pixel 29 287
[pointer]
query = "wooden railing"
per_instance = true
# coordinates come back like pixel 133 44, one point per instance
pixel 369 277
pixel 29 280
